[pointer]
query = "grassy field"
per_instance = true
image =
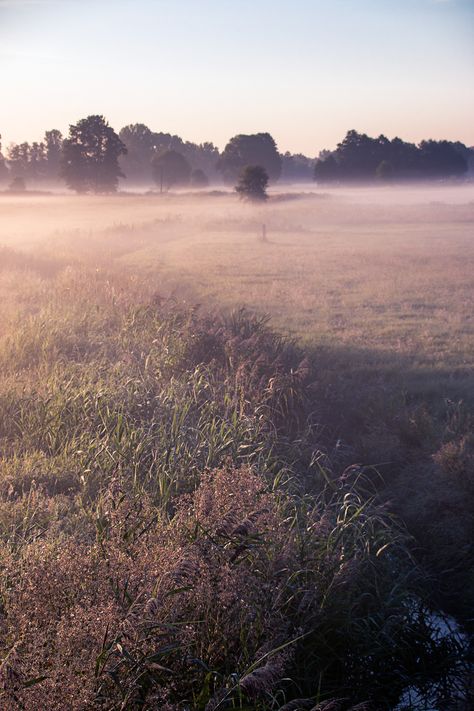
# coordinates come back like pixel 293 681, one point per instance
pixel 196 513
pixel 373 285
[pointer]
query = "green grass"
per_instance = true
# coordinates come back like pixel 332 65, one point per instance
pixel 181 525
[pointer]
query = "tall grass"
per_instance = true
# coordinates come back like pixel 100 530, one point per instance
pixel 177 532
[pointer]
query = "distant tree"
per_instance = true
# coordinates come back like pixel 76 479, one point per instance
pixel 170 168
pixel 442 159
pixel 199 178
pixel 90 156
pixel 326 168
pixel 253 182
pixel 19 159
pixel 141 145
pixel 17 185
pixel 297 167
pixel 53 142
pixel 243 150
pixel 203 156
pixel 384 171
pixel 360 157
pixel 37 161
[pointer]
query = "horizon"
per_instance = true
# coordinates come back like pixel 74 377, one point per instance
pixel 339 66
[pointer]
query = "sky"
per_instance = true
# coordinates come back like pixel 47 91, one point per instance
pixel 307 71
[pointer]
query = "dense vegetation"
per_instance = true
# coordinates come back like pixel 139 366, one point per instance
pixel 93 158
pixel 180 532
pixel 359 157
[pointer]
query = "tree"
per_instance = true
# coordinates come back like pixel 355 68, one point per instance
pixel 326 167
pixel 199 179
pixel 37 161
pixel 170 168
pixel 243 150
pixel 90 156
pixel 253 182
pixel 19 159
pixel 141 145
pixel 360 157
pixel 442 159
pixel 384 171
pixel 296 167
pixel 53 141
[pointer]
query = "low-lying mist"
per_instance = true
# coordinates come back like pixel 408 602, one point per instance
pixel 236 450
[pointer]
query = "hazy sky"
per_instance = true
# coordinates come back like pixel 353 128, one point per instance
pixel 305 70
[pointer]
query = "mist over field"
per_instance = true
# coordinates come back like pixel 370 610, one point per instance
pixel 236 355
pixel 115 385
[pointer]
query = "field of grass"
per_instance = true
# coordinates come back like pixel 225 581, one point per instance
pixel 197 513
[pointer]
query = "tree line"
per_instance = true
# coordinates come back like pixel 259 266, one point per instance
pixel 93 158
pixel 360 157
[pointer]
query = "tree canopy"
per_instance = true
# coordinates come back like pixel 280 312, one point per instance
pixel 143 145
pixel 252 184
pixel 199 178
pixel 170 168
pixel 243 150
pixel 90 156
pixel 93 158
pixel 140 144
pixel 360 157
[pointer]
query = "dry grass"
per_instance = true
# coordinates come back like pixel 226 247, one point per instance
pixel 392 279
pixel 175 529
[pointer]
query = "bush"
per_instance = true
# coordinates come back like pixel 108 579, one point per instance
pixel 253 183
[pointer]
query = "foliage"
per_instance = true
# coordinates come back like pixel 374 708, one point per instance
pixel 90 156
pixel 199 179
pixel 252 184
pixel 140 145
pixel 37 161
pixel 256 149
pixel 174 533
pixel 143 145
pixel 297 167
pixel 53 141
pixel 384 171
pixel 170 168
pixel 359 157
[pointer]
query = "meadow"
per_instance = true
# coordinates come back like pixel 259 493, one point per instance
pixel 236 472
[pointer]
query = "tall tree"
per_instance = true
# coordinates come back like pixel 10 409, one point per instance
pixel 19 159
pixel 256 149
pixel 253 182
pixel 297 167
pixel 140 144
pixel 53 141
pixel 37 161
pixel 170 168
pixel 442 159
pixel 360 157
pixel 90 156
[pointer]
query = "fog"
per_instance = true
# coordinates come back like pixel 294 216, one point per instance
pixel 390 264
pixel 402 194
pixel 31 218
pixel 111 313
